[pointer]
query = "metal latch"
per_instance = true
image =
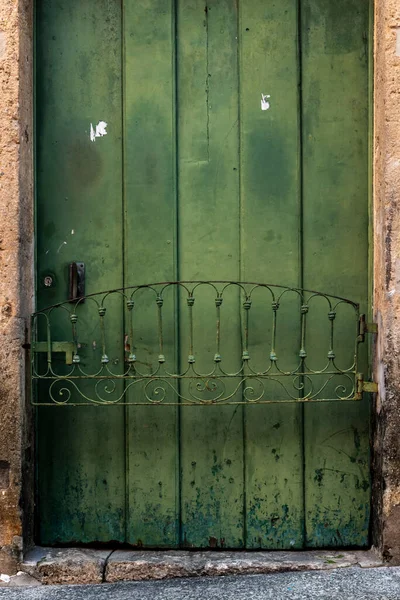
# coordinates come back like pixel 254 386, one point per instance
pixel 365 327
pixel 65 347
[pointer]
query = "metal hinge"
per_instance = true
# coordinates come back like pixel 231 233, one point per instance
pixel 370 386
pixel 364 327
pixel 65 347
pixel 365 386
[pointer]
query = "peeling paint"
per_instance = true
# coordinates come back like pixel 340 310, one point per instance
pixel 61 245
pixel 265 105
pixel 99 131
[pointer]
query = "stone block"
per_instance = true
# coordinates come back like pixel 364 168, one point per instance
pixel 66 565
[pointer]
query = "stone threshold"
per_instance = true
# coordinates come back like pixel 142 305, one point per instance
pixel 50 566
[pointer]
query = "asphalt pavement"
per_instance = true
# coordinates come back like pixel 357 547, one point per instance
pixel 352 583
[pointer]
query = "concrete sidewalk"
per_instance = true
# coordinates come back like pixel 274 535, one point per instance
pixel 353 583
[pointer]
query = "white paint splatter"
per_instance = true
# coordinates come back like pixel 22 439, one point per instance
pixel 61 245
pixel 264 102
pixel 72 231
pixel 100 130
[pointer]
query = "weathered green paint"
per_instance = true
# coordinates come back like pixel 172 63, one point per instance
pixel 150 251
pixel 270 248
pixel 211 442
pixel 335 146
pixel 194 181
pixel 81 483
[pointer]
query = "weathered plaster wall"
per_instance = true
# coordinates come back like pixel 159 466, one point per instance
pixel 386 498
pixel 15 273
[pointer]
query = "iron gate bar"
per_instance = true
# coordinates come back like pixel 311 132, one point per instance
pixel 68 384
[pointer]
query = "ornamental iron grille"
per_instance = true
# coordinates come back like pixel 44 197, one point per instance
pixel 198 343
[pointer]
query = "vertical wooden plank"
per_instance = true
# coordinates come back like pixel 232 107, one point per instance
pixel 150 222
pixel 81 463
pixel 270 243
pixel 211 437
pixel 335 147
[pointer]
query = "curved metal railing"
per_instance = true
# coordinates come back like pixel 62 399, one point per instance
pixel 197 343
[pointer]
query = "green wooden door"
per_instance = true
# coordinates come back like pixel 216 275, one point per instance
pixel 185 140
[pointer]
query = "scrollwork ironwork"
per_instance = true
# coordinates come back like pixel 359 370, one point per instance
pixel 275 340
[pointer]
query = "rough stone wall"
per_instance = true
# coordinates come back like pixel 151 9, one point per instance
pixel 15 272
pixel 386 464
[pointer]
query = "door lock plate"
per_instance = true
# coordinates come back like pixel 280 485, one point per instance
pixel 76 281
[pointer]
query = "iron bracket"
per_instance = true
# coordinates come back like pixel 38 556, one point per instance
pixel 65 347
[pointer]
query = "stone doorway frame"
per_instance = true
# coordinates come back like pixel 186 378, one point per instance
pixel 17 280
